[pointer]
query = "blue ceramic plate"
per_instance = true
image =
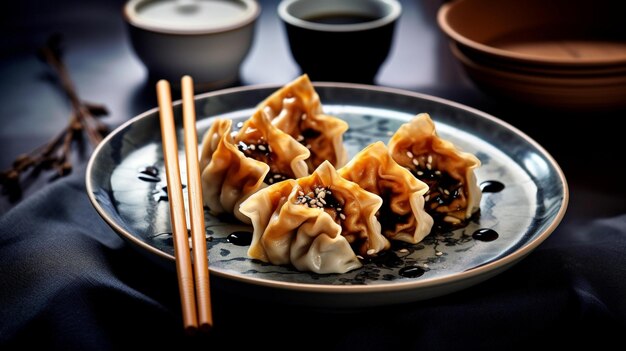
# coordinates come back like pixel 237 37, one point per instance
pixel 523 213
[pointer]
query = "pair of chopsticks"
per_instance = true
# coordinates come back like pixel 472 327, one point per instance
pixel 200 316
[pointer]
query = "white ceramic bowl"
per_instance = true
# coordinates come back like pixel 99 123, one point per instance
pixel 206 39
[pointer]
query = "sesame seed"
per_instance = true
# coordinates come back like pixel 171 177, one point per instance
pixel 252 146
pixel 415 162
pixel 239 124
pixel 308 146
pixel 300 193
pixel 322 194
pixel 438 253
pixel 438 172
pixel 403 251
pixel 271 181
pixel 269 147
pixel 338 208
pixel 425 265
pixel 342 216
pixel 262 148
pixel 430 159
pixel 451 219
pixel 420 173
pixel 303 116
pixel 322 201
pixel 328 192
pixel 359 257
pixel 371 252
pixel 445 191
pixel 427 198
pixel 409 154
pixel 300 137
pixel 429 166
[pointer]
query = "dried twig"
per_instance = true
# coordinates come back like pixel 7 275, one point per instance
pixel 56 154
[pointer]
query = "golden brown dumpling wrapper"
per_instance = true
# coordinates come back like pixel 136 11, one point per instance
pixel 260 140
pixel 402 214
pixel 453 194
pixel 315 223
pixel 296 110
pixel 232 171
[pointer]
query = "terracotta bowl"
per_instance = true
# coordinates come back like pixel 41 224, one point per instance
pixel 571 93
pixel 560 54
pixel 557 33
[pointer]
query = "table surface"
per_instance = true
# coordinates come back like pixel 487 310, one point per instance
pixel 588 147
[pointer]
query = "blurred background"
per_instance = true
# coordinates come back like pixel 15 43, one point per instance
pixel 105 70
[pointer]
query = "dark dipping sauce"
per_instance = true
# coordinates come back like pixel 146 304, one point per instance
pixel 240 238
pixel 491 186
pixel 412 272
pixel 389 219
pixel 443 188
pixel 322 197
pixel 149 174
pixel 485 234
pixel 341 18
pixel 261 151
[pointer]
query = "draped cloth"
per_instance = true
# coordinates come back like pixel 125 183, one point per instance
pixel 68 281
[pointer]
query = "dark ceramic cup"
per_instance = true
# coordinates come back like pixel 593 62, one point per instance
pixel 340 40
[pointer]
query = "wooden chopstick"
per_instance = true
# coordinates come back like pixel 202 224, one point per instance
pixel 196 208
pixel 177 207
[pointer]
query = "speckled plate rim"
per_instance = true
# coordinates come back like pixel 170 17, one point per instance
pixel 490 267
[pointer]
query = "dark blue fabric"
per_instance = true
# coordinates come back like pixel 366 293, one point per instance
pixel 69 282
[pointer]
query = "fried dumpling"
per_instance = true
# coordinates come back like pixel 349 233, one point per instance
pixel 260 140
pixel 236 165
pixel 402 214
pixel 296 110
pixel 317 223
pixel 453 194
